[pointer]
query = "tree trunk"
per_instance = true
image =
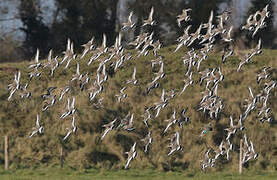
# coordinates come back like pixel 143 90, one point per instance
pixel 6 153
pixel 240 156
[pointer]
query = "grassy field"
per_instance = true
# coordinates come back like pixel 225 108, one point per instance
pixel 84 150
pixel 69 174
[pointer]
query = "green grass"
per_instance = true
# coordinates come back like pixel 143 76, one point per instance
pixel 84 150
pixel 69 174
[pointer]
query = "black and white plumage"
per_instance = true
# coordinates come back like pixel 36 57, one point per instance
pixel 71 129
pixel 87 47
pixel 108 127
pixel 49 91
pixel 23 91
pixel 37 129
pixel 51 63
pixel 68 54
pixel 231 129
pixel 150 20
pixel 251 103
pixel 184 39
pixel 219 151
pixel 174 144
pixel 263 75
pixel 250 23
pixel 34 73
pixel 252 52
pixel 15 85
pixel 49 99
pixel 196 35
pixel 226 37
pixel 133 80
pixel 147 141
pixel 99 50
pixel 184 16
pixel 77 75
pixel 188 81
pixel 227 53
pixel 227 146
pixel 250 154
pixel 146 116
pixel 48 102
pixel 129 23
pixel 162 103
pixel 131 155
pixel 248 151
pixel 129 124
pixel 64 90
pixel 183 118
pixel 207 161
pixel 70 108
pixel 170 121
pixel 36 62
pixel 122 94
pixel 94 89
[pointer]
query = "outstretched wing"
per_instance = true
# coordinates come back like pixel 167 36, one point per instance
pixel 37 56
pixel 134 73
pixel 151 13
pixel 37 121
pixel 130 16
pixel 73 102
pixel 50 55
pixel 250 91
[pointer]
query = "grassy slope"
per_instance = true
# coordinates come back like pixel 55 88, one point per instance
pixel 84 150
pixel 146 174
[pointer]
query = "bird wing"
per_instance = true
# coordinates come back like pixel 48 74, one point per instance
pixel 252 146
pixel 245 140
pixel 130 17
pixel 168 125
pixel 249 22
pixel 231 121
pixel 178 138
pixel 50 55
pixel 18 77
pixel 73 122
pixel 73 102
pixel 127 163
pixel 37 56
pixel 133 149
pixel 211 17
pixel 250 91
pixel 151 13
pixel 134 73
pixel 33 133
pixel 105 133
pixel 163 94
pixel 68 44
pixel 37 121
pixel 122 90
pixel 78 69
pixel 229 32
pixel 71 48
pixel 119 39
pixel 207 154
pixel 131 119
pixel 68 103
pixel 67 135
